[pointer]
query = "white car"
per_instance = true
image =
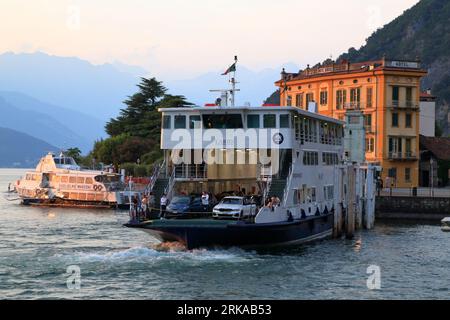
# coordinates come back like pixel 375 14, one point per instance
pixel 234 207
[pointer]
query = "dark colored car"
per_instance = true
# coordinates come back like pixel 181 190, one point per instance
pixel 187 206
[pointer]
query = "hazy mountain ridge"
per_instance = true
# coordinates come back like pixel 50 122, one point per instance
pixel 85 127
pixel 67 81
pixel 40 126
pixel 20 150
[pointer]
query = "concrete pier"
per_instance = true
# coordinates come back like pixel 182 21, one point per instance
pixel 412 208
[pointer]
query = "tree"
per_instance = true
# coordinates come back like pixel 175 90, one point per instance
pixel 74 153
pixel 133 134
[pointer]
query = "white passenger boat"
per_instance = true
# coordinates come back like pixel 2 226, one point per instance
pixel 59 180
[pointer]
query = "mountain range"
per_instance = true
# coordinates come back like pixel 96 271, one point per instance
pixel 20 150
pixel 56 125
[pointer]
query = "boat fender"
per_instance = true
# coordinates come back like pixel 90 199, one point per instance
pixel 317 212
pixel 303 214
pixel 325 212
pixel 290 217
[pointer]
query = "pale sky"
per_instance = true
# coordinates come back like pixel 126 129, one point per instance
pixel 183 38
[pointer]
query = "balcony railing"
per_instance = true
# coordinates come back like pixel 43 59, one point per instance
pixel 354 105
pixel 369 129
pixel 402 155
pixel 412 105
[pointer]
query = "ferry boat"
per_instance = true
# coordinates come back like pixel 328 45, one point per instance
pixel 280 152
pixel 59 181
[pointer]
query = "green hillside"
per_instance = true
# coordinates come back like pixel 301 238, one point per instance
pixel 420 32
pixel 423 32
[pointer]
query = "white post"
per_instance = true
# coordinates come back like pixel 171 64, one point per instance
pixel 369 219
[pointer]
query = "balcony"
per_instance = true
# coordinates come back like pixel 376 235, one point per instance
pixel 369 129
pixel 402 156
pixel 357 105
pixel 404 105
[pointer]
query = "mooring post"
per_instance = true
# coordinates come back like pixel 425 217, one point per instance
pixel 337 223
pixel 350 217
pixel 369 213
pixel 358 197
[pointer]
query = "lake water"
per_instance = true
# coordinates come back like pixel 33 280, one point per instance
pixel 37 245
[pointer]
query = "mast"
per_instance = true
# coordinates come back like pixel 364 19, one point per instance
pixel 227 96
pixel 233 82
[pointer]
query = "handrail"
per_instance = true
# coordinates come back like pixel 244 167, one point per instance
pixel 155 174
pixel 268 184
pixel 288 184
pixel 170 184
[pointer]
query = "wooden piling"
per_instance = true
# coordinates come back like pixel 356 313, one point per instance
pixel 350 216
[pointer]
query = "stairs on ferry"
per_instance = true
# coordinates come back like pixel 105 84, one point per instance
pixel 159 187
pixel 277 188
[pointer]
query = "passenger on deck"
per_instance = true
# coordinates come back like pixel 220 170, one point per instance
pixel 163 204
pixel 144 206
pixel 269 204
pixel 205 200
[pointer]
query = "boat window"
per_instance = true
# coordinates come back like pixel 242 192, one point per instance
pixel 195 122
pixel 180 122
pixel 310 158
pixel 313 194
pixel 80 180
pixel 166 122
pixel 64 179
pixel 270 121
pixel 253 121
pixel 89 181
pixel 72 179
pixel 284 121
pixel 222 121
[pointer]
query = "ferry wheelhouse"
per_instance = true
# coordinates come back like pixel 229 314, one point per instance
pixel 58 180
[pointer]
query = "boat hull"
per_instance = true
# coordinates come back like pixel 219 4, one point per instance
pixel 209 233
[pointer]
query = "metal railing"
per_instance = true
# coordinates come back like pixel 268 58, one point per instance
pixel 288 184
pixel 402 155
pixel 155 175
pixel 170 184
pixel 396 104
pixel 415 192
pixel 265 174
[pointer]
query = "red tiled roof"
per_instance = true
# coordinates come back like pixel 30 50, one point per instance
pixel 439 146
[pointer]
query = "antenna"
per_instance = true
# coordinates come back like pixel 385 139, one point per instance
pixel 228 93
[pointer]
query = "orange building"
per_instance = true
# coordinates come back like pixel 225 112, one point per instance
pixel 388 94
